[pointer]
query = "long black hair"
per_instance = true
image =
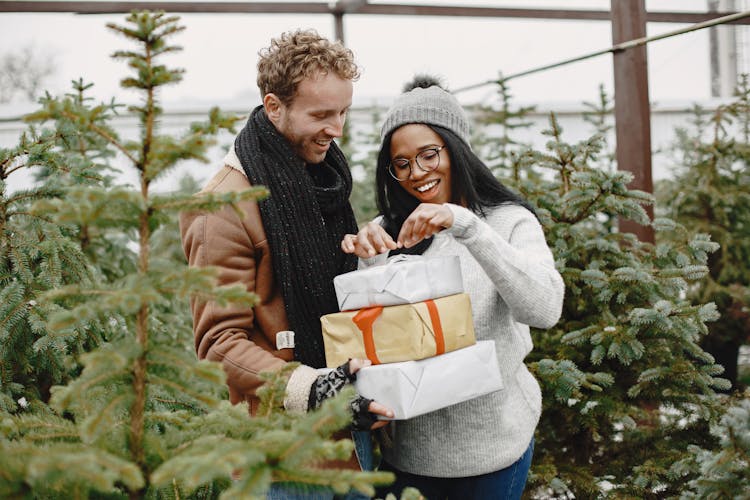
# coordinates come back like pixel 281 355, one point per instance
pixel 472 185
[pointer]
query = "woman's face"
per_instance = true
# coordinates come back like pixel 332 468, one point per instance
pixel 415 139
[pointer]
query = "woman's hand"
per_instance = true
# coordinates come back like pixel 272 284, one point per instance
pixel 425 221
pixel 369 241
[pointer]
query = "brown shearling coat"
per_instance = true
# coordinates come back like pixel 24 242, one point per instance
pixel 242 339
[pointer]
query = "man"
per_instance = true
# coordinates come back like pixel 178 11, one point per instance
pixel 286 248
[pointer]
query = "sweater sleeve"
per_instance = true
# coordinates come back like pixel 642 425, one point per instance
pixel 511 249
pixel 298 389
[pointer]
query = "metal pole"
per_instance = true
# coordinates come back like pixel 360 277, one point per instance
pixel 632 108
pixel 723 53
pixel 338 26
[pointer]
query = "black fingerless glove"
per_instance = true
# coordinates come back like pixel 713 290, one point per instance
pixel 328 385
pixel 362 419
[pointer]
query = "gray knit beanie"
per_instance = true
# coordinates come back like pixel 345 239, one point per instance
pixel 431 105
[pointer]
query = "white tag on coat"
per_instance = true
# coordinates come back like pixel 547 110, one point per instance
pixel 285 339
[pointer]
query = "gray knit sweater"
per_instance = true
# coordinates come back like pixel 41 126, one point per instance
pixel 509 272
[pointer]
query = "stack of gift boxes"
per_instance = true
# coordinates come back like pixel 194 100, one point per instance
pixel 412 319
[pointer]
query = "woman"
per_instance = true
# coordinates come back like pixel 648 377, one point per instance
pixel 436 197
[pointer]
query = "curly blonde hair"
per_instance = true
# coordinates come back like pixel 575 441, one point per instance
pixel 296 55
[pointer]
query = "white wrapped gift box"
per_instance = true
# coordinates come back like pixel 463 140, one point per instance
pixel 413 388
pixel 403 279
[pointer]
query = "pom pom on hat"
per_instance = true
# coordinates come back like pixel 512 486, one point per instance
pixel 425 101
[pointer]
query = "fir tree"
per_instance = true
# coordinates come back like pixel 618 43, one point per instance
pixel 499 148
pixel 36 255
pixel 725 471
pixel 599 115
pixel 626 386
pixel 88 139
pixel 710 191
pixel 144 419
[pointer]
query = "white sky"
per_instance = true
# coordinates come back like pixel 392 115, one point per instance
pixel 220 52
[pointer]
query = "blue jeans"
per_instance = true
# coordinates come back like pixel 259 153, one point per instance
pixel 289 491
pixel 504 484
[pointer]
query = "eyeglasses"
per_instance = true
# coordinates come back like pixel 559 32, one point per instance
pixel 427 160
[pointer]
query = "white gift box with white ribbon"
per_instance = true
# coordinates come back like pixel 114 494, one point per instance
pixel 413 388
pixel 403 279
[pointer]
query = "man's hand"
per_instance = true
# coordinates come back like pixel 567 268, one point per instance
pixel 364 410
pixel 365 413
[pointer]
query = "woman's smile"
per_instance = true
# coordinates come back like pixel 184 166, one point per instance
pixel 434 185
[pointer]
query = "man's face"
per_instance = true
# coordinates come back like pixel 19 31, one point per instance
pixel 316 115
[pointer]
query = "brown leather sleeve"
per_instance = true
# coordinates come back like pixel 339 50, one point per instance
pixel 241 338
pixel 235 335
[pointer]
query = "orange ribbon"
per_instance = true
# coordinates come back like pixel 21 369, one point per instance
pixel 365 318
pixel 435 318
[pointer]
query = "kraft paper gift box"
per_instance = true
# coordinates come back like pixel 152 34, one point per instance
pixel 413 388
pixel 399 333
pixel 403 279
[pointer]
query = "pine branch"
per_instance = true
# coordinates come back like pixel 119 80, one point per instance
pixel 207 201
pixel 100 131
pixel 181 388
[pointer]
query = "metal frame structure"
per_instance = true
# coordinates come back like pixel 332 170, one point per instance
pixel 628 19
pixel 341 7
pixel 632 106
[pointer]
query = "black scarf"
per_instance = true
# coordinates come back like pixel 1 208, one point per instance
pixel 305 217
